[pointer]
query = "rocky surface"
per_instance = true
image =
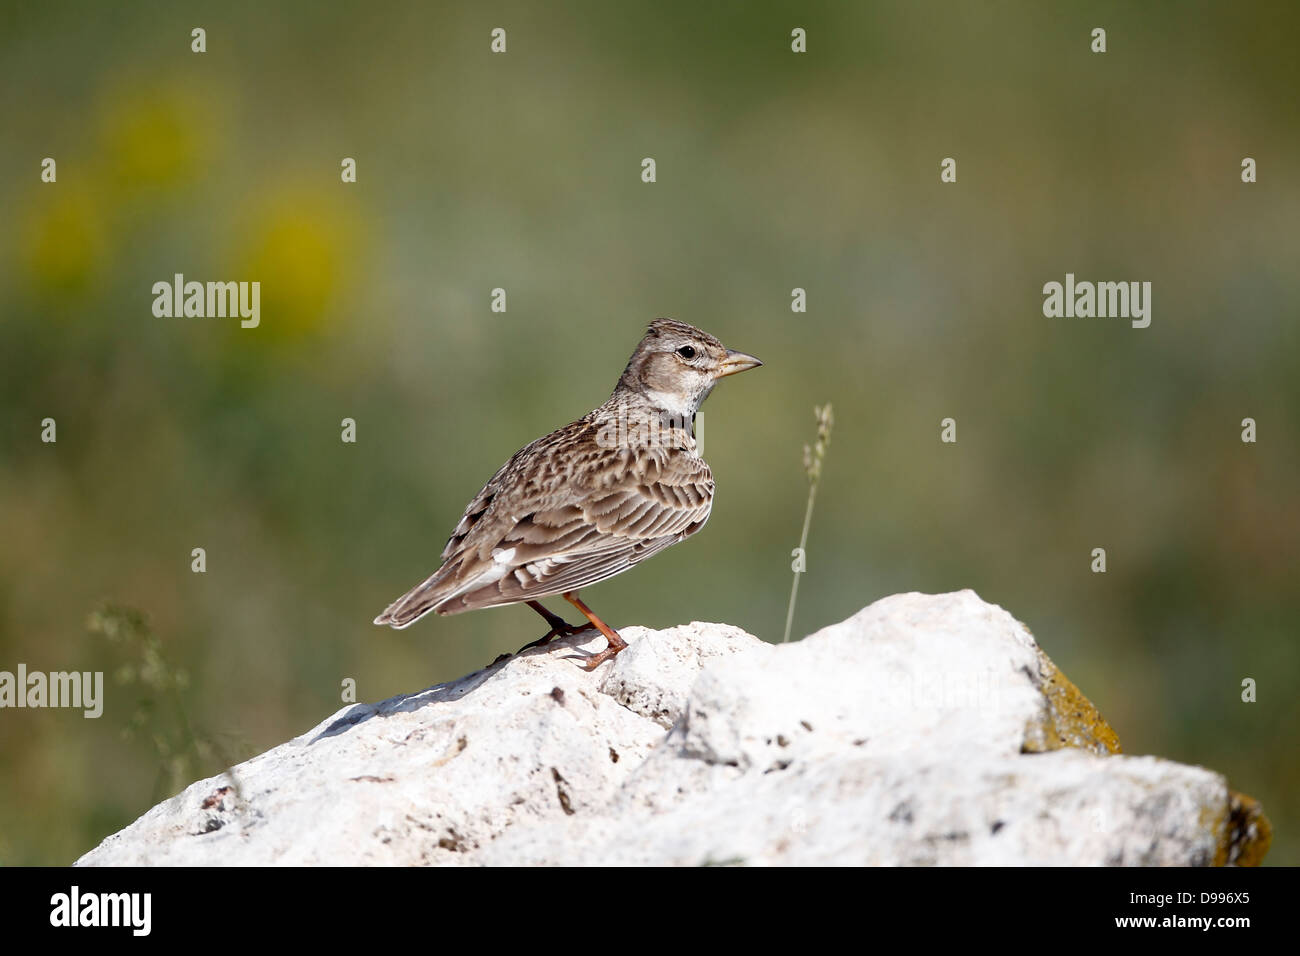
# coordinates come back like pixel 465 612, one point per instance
pixel 925 729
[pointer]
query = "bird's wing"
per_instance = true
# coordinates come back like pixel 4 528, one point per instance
pixel 620 509
pixel 562 514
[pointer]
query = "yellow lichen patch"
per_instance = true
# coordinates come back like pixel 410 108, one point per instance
pixel 1245 835
pixel 1073 719
pixel 1243 832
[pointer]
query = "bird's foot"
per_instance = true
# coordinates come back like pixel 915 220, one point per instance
pixel 616 643
pixel 597 659
pixel 559 628
pixel 612 649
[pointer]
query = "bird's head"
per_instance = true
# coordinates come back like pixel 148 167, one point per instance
pixel 676 365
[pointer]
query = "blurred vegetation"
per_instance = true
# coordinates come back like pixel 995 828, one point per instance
pixel 160 717
pixel 522 171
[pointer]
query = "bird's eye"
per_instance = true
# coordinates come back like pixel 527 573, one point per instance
pixel 686 352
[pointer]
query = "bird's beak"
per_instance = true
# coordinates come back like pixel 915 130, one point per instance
pixel 736 362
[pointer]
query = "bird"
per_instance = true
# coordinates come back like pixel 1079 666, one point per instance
pixel 589 500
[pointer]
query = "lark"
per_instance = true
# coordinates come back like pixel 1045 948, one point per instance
pixel 591 499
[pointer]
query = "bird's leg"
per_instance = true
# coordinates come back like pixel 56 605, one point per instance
pixel 559 627
pixel 616 643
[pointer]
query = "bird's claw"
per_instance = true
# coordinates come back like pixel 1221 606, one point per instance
pixel 559 630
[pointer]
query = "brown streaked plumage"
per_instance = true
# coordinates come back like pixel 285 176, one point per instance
pixel 591 499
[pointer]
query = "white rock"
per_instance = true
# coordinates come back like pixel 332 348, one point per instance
pixel 654 675
pixel 426 778
pixel 1063 807
pixel 922 730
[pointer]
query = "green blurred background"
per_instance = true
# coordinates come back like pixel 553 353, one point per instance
pixel 522 170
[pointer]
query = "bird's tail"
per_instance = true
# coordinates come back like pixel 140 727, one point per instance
pixel 415 603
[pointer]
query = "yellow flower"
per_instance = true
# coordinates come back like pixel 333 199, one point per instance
pixel 63 240
pixel 154 137
pixel 302 246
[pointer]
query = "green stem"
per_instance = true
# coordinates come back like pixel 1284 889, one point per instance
pixel 803 544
